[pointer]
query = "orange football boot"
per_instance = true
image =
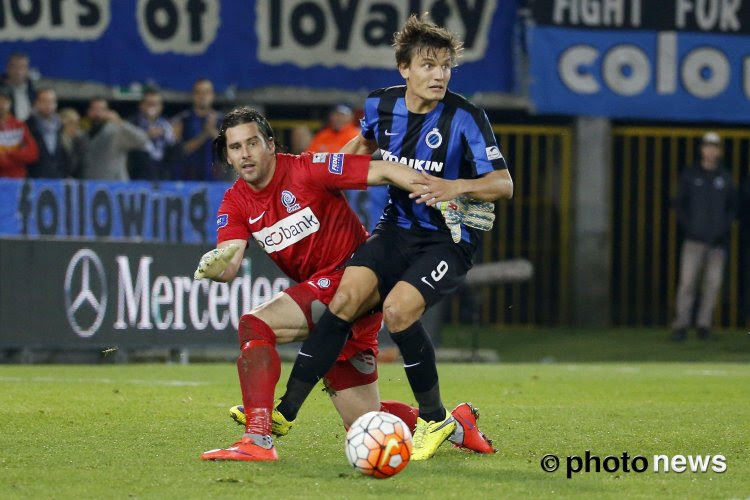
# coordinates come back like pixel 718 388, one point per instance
pixel 245 450
pixel 468 434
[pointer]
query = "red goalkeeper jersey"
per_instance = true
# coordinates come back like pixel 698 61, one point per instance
pixel 301 218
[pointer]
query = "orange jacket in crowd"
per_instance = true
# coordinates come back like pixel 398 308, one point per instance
pixel 17 148
pixel 331 141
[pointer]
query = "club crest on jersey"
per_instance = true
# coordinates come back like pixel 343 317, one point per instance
pixel 289 201
pixel 324 283
pixel 336 163
pixel 433 139
pixel 222 220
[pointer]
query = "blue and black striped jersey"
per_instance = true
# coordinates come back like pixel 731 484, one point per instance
pixel 454 140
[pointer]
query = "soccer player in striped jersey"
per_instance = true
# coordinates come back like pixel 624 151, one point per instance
pixel 411 261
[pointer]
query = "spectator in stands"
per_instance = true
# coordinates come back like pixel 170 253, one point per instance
pixel 108 141
pixel 706 206
pixel 17 146
pixel 46 128
pixel 72 140
pixel 153 163
pixel 299 139
pixel 339 130
pixel 17 78
pixel 195 130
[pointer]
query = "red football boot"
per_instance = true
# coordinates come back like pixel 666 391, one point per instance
pixel 467 434
pixel 246 450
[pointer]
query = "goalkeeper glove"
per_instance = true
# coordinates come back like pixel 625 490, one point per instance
pixel 214 262
pixel 469 212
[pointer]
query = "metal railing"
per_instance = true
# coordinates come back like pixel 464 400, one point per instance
pixel 533 225
pixel 647 162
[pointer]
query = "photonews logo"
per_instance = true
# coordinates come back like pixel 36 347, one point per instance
pixel 575 464
pixel 85 293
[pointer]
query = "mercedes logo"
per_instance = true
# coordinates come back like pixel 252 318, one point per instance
pixel 85 293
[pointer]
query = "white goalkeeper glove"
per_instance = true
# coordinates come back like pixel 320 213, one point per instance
pixel 469 212
pixel 214 262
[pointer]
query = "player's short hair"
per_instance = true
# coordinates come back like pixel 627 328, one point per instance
pixel 418 35
pixel 239 116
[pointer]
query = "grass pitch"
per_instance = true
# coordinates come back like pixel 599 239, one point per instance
pixel 138 430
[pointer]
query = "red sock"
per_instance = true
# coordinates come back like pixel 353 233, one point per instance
pixel 403 411
pixel 259 369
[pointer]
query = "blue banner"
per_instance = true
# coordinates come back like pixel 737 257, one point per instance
pixel 137 211
pixel 335 44
pixel 660 75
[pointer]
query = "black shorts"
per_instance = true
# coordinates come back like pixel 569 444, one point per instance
pixel 427 260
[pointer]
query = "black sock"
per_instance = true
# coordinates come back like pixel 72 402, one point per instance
pixel 421 370
pixel 296 393
pixel 316 356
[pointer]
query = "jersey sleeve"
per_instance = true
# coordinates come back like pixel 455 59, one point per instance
pixel 369 121
pixel 230 222
pixel 337 171
pixel 482 149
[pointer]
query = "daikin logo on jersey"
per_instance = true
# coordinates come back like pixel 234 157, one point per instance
pixel 287 231
pixel 427 165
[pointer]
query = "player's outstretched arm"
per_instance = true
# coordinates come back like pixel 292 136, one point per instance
pixel 490 187
pixel 221 263
pixel 389 172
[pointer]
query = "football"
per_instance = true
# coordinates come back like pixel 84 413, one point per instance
pixel 378 444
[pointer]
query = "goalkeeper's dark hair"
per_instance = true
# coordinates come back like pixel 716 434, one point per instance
pixel 239 116
pixel 418 35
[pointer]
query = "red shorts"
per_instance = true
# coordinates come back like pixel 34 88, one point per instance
pixel 360 369
pixel 352 367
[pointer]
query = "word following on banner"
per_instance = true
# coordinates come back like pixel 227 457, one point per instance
pixel 122 211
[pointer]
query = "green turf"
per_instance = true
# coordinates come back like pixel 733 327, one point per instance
pixel 137 431
pixel 595 344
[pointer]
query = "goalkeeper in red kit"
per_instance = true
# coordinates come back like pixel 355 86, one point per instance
pixel 294 208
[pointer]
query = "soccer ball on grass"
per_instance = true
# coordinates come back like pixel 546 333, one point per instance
pixel 378 444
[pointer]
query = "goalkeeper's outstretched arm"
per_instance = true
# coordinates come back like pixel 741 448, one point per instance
pixel 223 262
pixel 490 187
pixel 388 172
